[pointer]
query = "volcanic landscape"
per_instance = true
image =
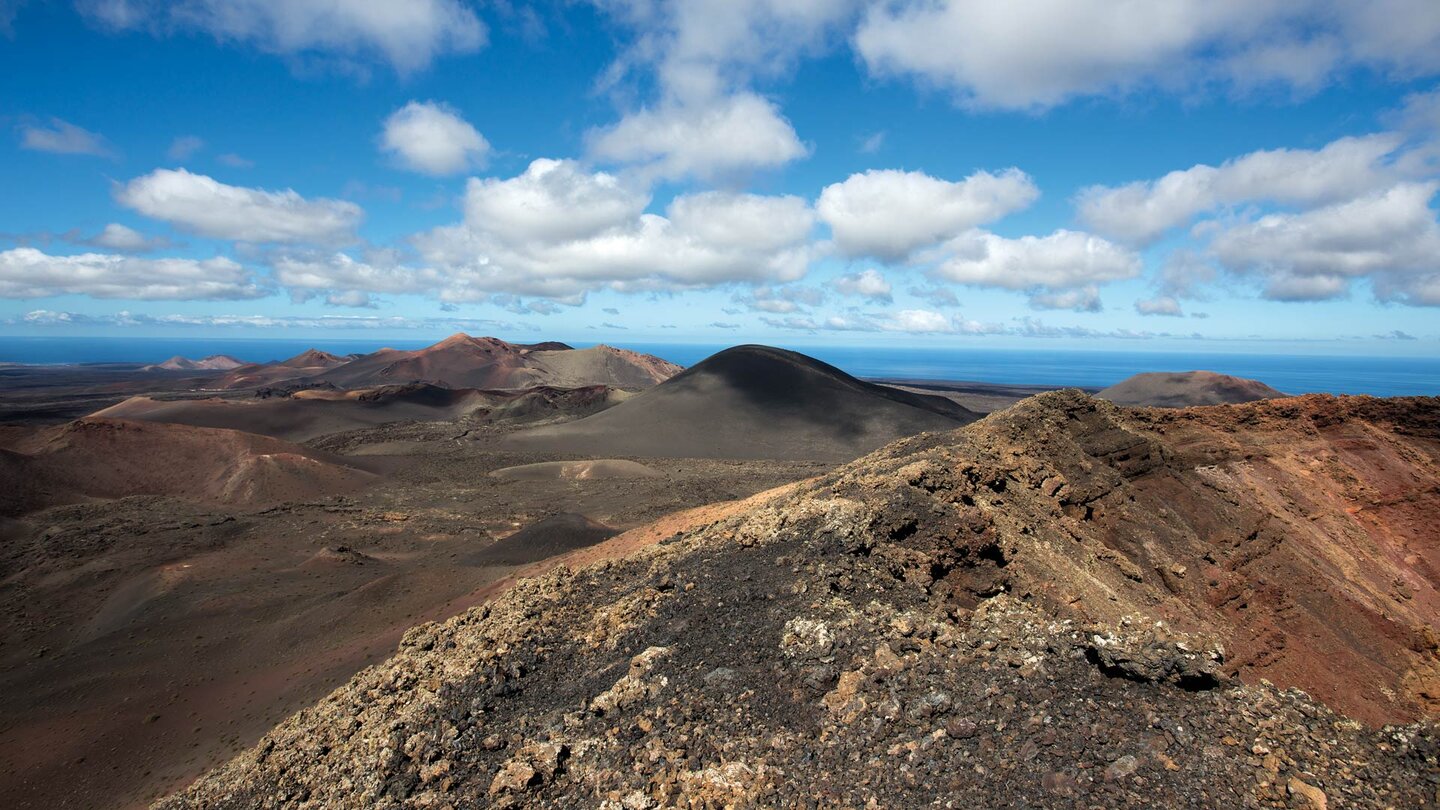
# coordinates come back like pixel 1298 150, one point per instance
pixel 527 575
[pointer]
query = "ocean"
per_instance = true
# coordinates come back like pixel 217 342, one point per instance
pixel 1292 373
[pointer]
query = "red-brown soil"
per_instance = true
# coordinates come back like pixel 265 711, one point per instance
pixel 1329 578
pixel 147 639
pixel 254 375
pixel 1064 604
pixel 96 458
pixel 1299 533
pixel 462 361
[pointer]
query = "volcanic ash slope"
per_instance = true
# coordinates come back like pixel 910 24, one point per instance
pixel 754 402
pixel 1047 608
pixel 309 414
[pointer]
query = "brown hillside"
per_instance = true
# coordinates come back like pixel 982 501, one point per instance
pixel 1183 389
pixel 215 362
pixel 1050 607
pixel 462 361
pixel 112 458
pixel 310 414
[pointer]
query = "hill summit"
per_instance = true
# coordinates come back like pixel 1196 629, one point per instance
pixel 1182 389
pixel 215 362
pixel 755 402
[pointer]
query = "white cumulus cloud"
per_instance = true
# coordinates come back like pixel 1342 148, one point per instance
pixel 30 273
pixel 552 200
pixel 558 231
pixel 708 139
pixel 1043 266
pixel 702 58
pixel 870 283
pixel 1142 212
pixel 432 138
pixel 889 214
pixel 764 223
pixel 1390 237
pixel 409 35
pixel 205 206
pixel 338 274
pixel 1028 54
pixel 125 239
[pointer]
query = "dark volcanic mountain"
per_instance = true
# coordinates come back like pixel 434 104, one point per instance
pixel 754 402
pixel 461 361
pixel 1163 389
pixel 1066 604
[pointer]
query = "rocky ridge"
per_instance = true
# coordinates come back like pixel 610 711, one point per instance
pixel 1019 613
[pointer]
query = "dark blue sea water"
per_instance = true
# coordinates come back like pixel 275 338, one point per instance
pixel 1293 374
pixel 1296 374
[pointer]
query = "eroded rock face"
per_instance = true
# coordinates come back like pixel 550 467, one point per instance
pixel 1055 606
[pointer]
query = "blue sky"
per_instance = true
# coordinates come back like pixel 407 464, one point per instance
pixel 1257 175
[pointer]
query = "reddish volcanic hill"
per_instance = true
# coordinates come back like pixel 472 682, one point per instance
pixel 255 375
pixel 312 358
pixel 1183 389
pixel 462 361
pixel 111 458
pixel 754 402
pixel 215 362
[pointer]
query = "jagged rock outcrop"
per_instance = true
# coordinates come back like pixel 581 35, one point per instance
pixel 1063 604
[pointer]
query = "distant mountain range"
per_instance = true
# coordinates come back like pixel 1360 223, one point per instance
pixel 461 361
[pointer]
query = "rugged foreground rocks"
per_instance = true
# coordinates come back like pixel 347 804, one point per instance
pixel 1039 610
